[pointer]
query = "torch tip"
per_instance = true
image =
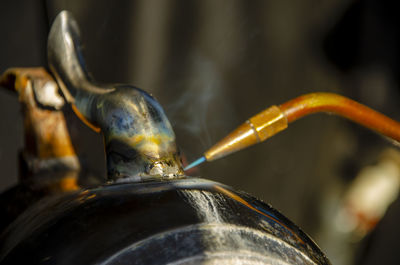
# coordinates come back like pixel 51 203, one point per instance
pixel 195 163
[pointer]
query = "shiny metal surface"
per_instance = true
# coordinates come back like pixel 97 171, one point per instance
pixel 182 221
pixel 139 139
pixel 257 129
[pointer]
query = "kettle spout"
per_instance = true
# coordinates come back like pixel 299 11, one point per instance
pixel 139 140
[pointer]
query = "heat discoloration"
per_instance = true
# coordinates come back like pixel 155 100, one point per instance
pixel 48 151
pixel 139 139
pixel 46 134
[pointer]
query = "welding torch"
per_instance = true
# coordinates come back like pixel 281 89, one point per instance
pixel 276 118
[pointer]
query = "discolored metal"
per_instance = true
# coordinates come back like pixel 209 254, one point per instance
pixel 47 144
pixel 139 139
pixel 48 163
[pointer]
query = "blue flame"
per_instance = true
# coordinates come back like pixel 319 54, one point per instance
pixel 195 163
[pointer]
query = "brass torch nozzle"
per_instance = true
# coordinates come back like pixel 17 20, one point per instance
pixel 255 130
pixel 275 119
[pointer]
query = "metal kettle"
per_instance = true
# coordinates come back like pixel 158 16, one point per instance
pixel 149 211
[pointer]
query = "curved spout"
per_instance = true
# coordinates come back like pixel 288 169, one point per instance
pixel 139 139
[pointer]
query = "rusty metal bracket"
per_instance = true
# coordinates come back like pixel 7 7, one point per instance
pixel 48 150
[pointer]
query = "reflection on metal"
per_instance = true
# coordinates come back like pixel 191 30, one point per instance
pixel 180 221
pixel 140 142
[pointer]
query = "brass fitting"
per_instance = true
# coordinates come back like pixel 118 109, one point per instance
pixel 257 129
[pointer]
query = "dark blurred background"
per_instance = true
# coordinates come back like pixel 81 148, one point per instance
pixel 212 64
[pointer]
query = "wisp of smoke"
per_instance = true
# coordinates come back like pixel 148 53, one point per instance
pixel 190 111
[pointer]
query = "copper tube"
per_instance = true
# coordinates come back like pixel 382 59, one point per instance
pixel 342 106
